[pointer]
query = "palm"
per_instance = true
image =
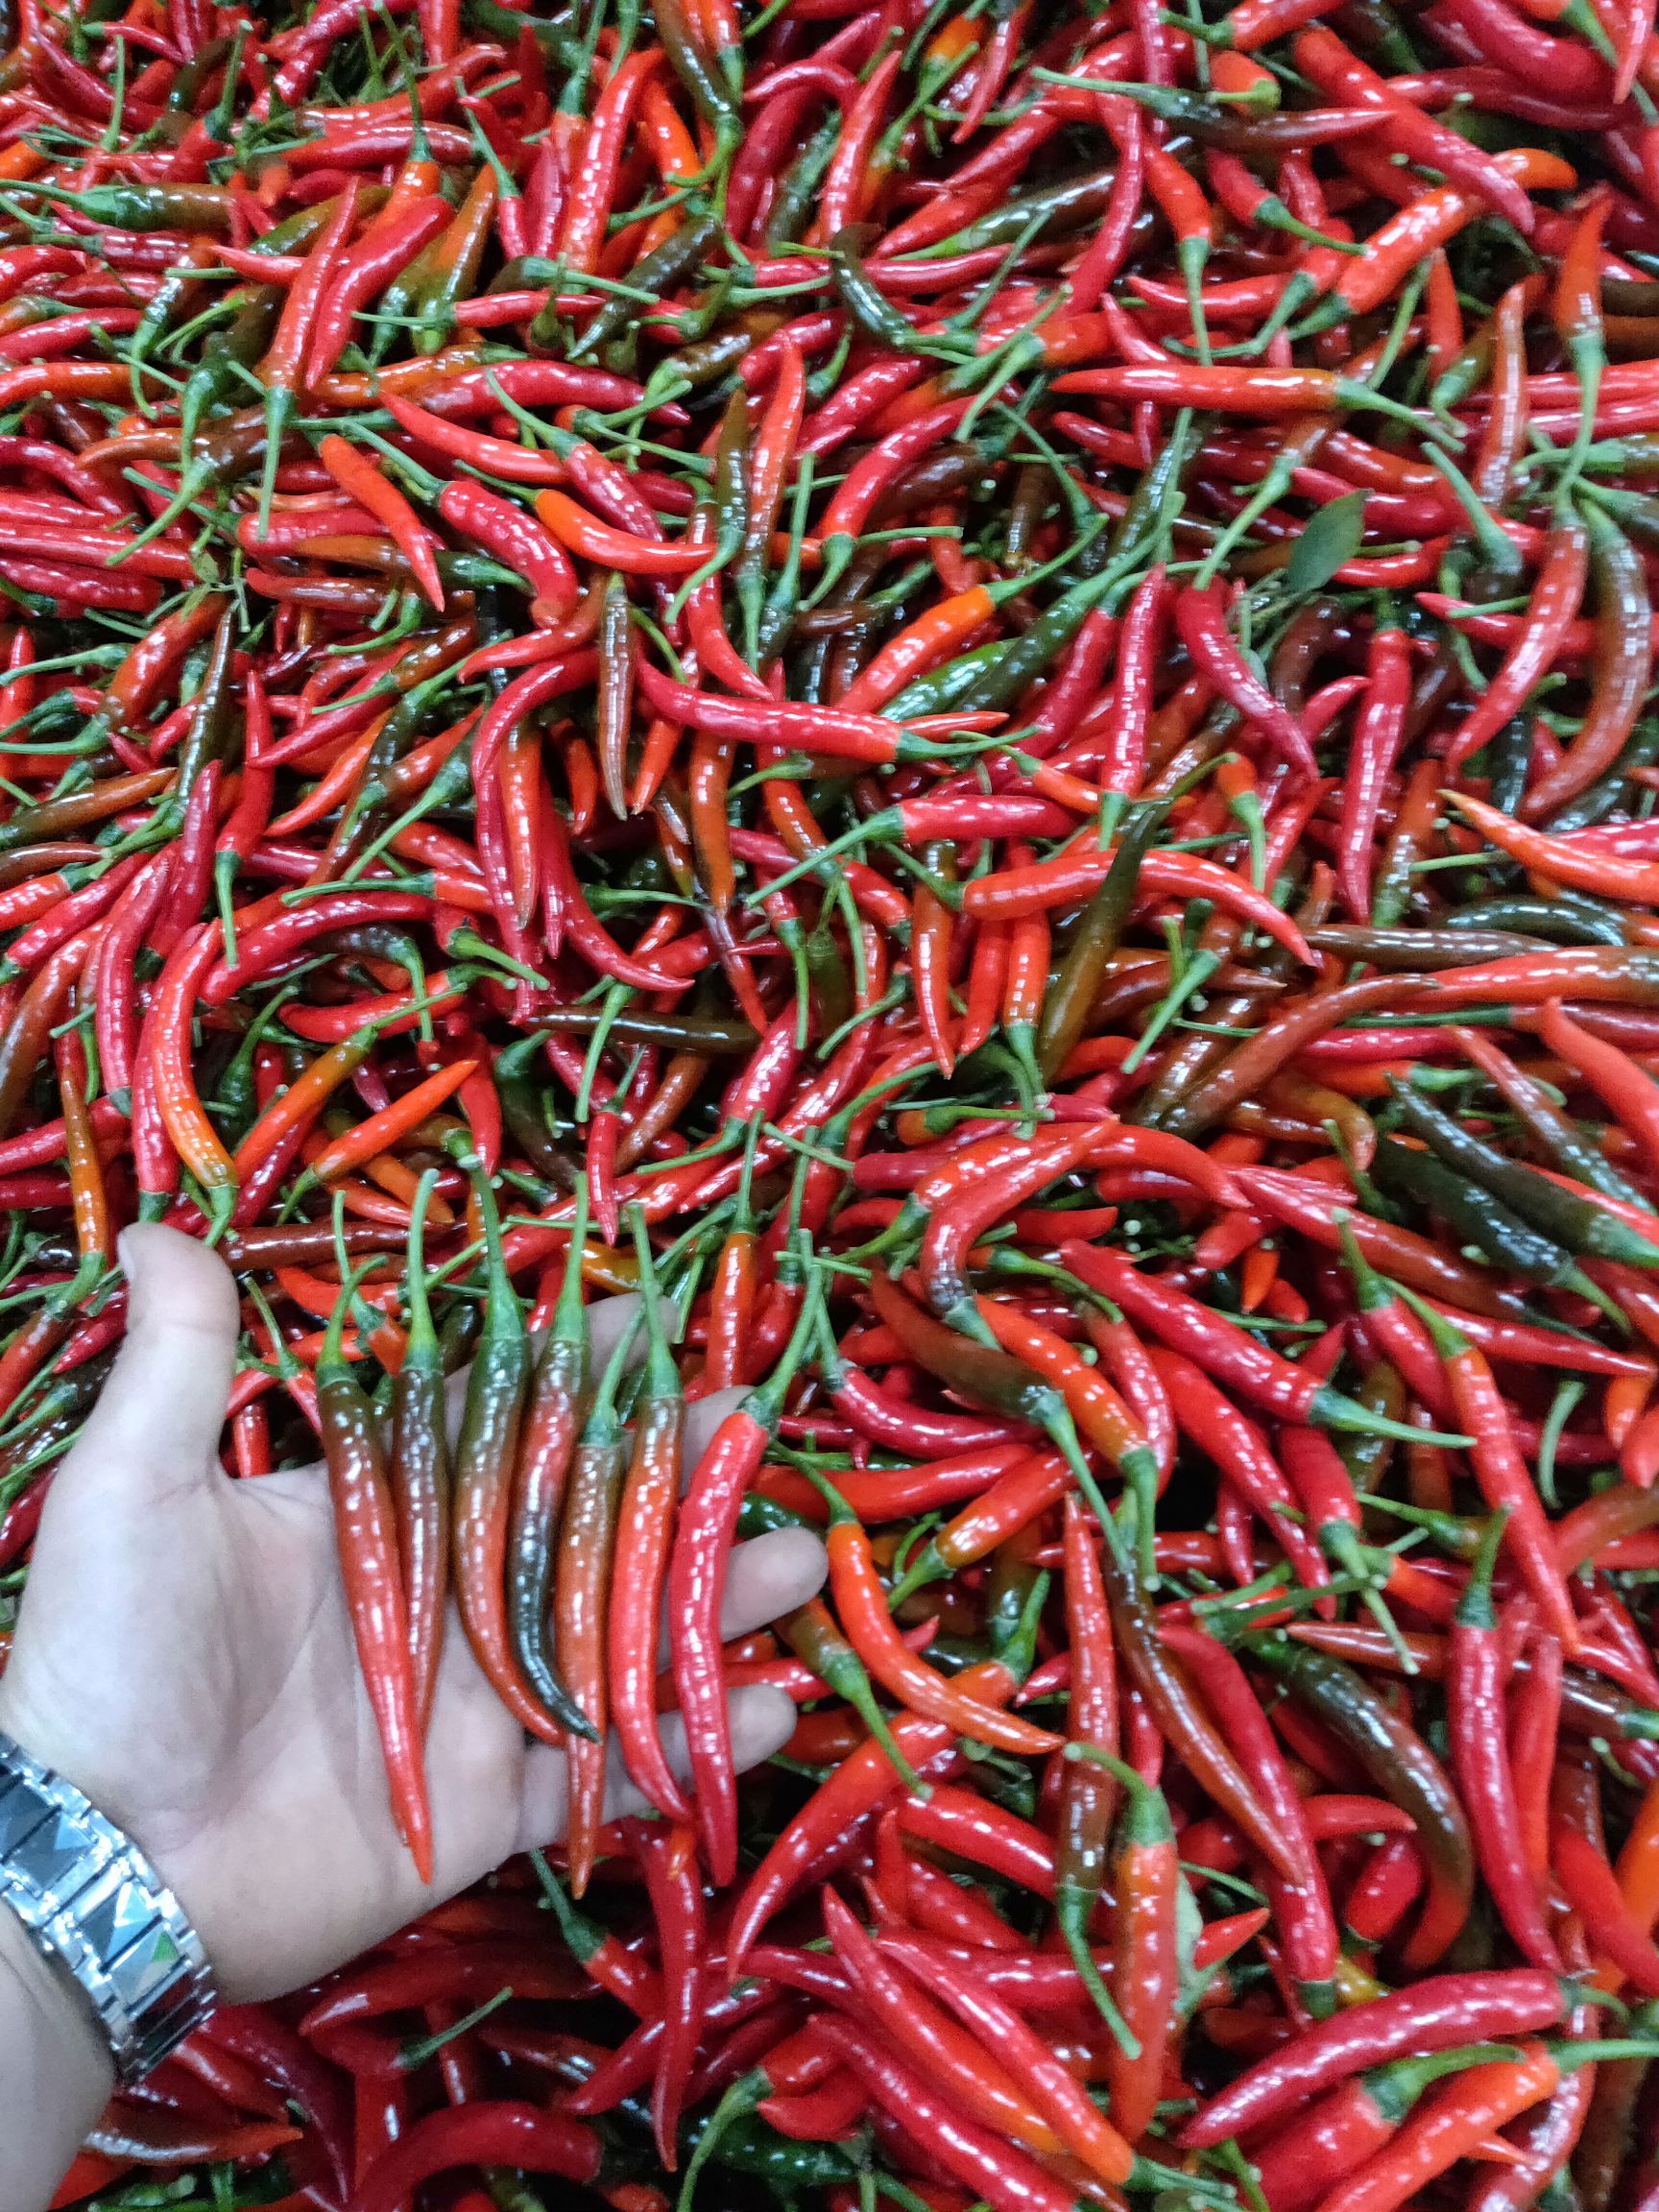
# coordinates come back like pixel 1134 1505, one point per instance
pixel 186 1657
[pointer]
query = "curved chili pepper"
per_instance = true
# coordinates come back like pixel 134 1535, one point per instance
pixel 1405 1769
pixel 1577 1224
pixel 978 2082
pixel 1354 2124
pixel 1594 1892
pixel 1020 891
pixel 1145 1881
pixel 1179 1716
pixel 1623 669
pixel 546 1444
pixel 668 1860
pixel 1474 1682
pixel 864 1780
pixel 863 1607
pixel 1004 2177
pixel 811 1634
pixel 1506 1483
pixel 502 2133
pixel 1446 2126
pixel 1100 2145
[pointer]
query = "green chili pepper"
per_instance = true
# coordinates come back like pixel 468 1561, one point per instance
pixel 1598 800
pixel 749 2146
pixel 177 287
pixel 1144 519
pixel 1065 1008
pixel 659 272
pixel 705 75
pixel 1403 1769
pixel 811 1634
pixel 798 193
pixel 226 353
pixel 419 1470
pixel 1056 209
pixel 1574 1152
pixel 524 1110
pixel 124 204
pixel 212 713
pixel 485 1460
pixel 704 362
pixel 547 1447
pixel 868 305
pixel 996 675
pixel 1577 1224
pixel 1508 763
pixel 1478 1218
pixel 1570 918
pixel 1407 951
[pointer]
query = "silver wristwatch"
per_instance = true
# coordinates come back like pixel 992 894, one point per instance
pixel 94 1904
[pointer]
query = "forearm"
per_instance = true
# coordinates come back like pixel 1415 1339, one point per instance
pixel 55 2071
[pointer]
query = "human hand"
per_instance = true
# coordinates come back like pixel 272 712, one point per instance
pixel 184 1656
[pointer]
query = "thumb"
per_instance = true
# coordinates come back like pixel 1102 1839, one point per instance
pixel 159 1416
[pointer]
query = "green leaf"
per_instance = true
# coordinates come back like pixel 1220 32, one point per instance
pixel 1331 538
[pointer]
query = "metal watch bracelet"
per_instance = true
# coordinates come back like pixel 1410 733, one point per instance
pixel 100 1912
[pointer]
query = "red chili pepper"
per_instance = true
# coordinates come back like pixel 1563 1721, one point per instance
pixel 863 1607
pixel 1239 1449
pixel 1594 1892
pixel 1342 77
pixel 1100 2145
pixel 864 1780
pixel 384 250
pixel 367 1538
pixel 1556 598
pixel 1474 1692
pixel 1302 1903
pixel 1506 1483
pixel 696 1592
pixel 513 538
pixel 1003 2177
pixel 193 1136
pixel 1377 739
pixel 1446 2127
pixel 1018 891
pixel 977 2081
pixel 499 2133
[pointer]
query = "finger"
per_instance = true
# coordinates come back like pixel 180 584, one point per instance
pixel 703 1417
pixel 770 1576
pixel 766 1578
pixel 610 1319
pixel 159 1416
pixel 762 1722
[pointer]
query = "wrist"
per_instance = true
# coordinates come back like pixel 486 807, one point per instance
pixel 60 2025
pixel 81 1894
pixel 55 2072
pixel 46 1728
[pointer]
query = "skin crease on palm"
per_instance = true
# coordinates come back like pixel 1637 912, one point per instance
pixel 184 1655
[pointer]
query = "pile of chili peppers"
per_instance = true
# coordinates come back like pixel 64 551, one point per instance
pixel 969 689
